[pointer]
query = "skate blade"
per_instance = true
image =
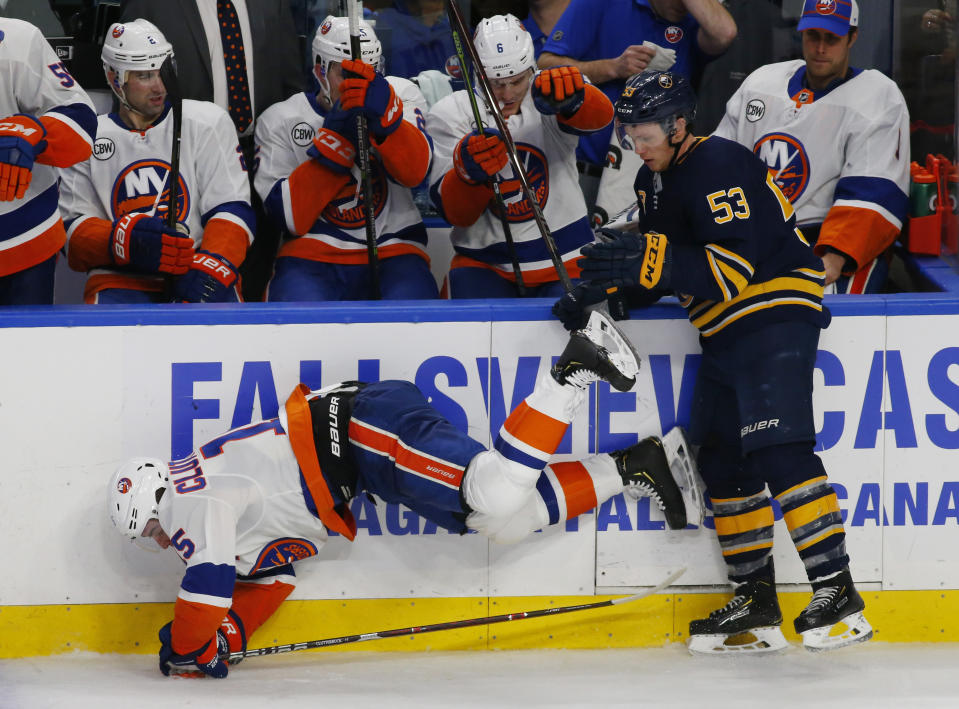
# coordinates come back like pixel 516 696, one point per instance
pixel 601 331
pixel 758 641
pixel 682 464
pixel 857 630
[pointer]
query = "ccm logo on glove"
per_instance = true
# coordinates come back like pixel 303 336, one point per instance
pixel 653 260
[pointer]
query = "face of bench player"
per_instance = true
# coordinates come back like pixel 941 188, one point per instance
pixel 826 55
pixel 335 77
pixel 653 145
pixel 154 531
pixel 145 92
pixel 510 92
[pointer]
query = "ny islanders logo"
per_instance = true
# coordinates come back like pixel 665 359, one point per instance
pixel 283 551
pixel 826 7
pixel 117 31
pixel 788 163
pixel 144 186
pixel 347 210
pixel 674 34
pixel 518 208
pixel 124 486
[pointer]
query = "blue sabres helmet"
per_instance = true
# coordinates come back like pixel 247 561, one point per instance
pixel 654 96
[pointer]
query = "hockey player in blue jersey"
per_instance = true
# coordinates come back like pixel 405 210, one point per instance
pixel 711 225
pixel 241 508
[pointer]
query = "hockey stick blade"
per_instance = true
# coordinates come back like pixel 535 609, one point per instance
pixel 453 624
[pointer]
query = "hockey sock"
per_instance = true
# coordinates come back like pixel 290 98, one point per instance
pixel 572 488
pixel 811 512
pixel 744 526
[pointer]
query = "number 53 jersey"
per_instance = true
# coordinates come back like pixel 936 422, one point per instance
pixel 738 259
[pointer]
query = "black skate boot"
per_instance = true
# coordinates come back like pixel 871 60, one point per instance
pixel 834 601
pixel 597 352
pixel 748 623
pixel 645 471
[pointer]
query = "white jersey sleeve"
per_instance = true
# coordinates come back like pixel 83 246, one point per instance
pixel 33 80
pixel 841 156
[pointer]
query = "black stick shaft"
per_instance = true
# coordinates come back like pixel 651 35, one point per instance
pixel 456 20
pixel 497 193
pixel 363 151
pixel 172 85
pixel 453 624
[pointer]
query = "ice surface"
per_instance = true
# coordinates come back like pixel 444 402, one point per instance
pixel 873 675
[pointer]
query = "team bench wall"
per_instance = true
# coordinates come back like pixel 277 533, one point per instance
pixel 83 388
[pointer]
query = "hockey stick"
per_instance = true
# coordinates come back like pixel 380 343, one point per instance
pixel 172 85
pixel 500 204
pixel 363 150
pixel 456 21
pixel 453 624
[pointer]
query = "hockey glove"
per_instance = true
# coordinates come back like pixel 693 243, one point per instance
pixel 146 243
pixel 206 659
pixel 571 308
pixel 211 279
pixel 231 637
pixel 366 91
pixel 478 158
pixel 559 90
pixel 21 140
pixel 628 259
pixel 332 149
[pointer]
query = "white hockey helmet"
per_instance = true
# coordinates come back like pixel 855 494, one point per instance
pixel 132 46
pixel 504 46
pixel 331 43
pixel 134 493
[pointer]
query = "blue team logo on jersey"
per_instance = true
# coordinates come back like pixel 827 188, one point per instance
pixel 283 551
pixel 518 208
pixel 143 186
pixel 347 210
pixel 788 163
pixel 674 34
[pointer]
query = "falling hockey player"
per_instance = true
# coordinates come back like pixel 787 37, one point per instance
pixel 240 508
pixel 711 225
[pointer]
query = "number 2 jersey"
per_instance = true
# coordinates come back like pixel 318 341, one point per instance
pixel 34 81
pixel 738 259
pixel 841 156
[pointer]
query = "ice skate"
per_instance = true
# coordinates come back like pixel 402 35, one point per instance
pixel 834 618
pixel 645 470
pixel 682 464
pixel 749 623
pixel 598 351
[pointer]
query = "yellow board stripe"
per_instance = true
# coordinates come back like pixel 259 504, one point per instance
pixel 26 631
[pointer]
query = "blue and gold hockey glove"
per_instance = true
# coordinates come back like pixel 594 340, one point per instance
pixel 206 659
pixel 628 259
pixel 571 309
pixel 559 90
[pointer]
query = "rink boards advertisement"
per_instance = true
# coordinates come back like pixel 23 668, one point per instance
pixel 82 391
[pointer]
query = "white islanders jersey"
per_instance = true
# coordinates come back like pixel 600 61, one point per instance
pixel 548 155
pixel 33 80
pixel 236 506
pixel 130 171
pixel 284 133
pixel 841 156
